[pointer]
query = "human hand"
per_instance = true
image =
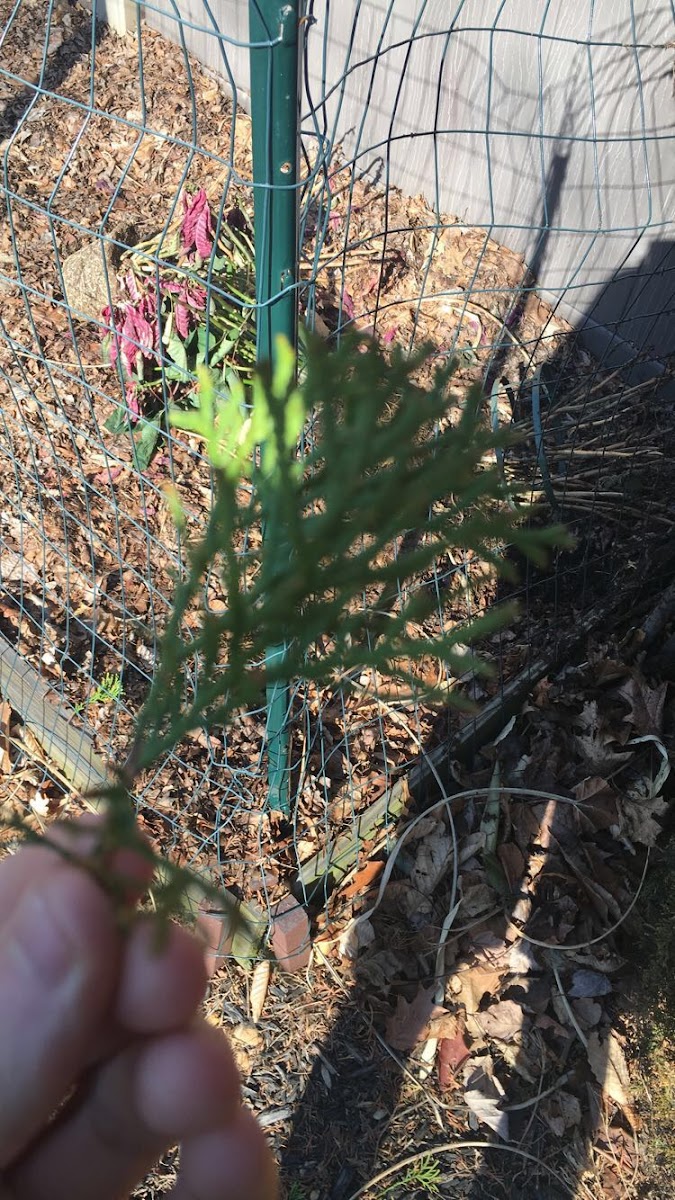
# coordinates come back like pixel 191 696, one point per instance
pixel 105 1028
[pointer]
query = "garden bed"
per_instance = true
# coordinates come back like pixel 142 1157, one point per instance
pixel 89 550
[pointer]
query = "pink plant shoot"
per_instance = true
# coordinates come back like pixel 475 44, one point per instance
pixel 134 329
pixel 133 406
pixel 190 300
pixel 196 231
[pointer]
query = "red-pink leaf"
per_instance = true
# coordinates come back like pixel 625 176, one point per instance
pixel 197 297
pixel 128 346
pixel 348 305
pixel 182 319
pixel 203 233
pixel 132 402
pixel 452 1052
pixel 195 229
pixel 132 286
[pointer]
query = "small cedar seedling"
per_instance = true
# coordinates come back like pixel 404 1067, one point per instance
pixel 382 456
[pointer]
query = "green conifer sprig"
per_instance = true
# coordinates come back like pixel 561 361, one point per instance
pixel 386 463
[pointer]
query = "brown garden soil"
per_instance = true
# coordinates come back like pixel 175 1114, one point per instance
pixel 88 557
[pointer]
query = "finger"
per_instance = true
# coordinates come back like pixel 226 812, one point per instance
pixel 59 955
pixel 129 867
pixel 146 1099
pixel 79 838
pixel 235 1163
pixel 160 987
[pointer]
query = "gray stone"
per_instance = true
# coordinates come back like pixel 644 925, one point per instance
pixel 84 280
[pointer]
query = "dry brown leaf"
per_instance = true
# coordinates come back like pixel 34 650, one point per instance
pixel 513 863
pixel 637 819
pixel 588 1012
pixel 646 704
pixel 452 1053
pixel 608 1064
pixel 259 985
pixel 431 861
pixel 503 1020
pixel 593 785
pixel 484 972
pixel 598 754
pixel 483 1094
pixel 561 1112
pixel 5 718
pixel 476 899
pixel 416 908
pixel 597 745
pixel 471 985
pixel 246 1035
pixel 378 970
pixel 305 849
pixel 363 880
pixel 445 1025
pixel 407 1025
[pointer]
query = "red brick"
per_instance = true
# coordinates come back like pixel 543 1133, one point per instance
pixel 212 927
pixel 290 934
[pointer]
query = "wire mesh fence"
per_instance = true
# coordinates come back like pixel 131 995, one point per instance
pixel 491 179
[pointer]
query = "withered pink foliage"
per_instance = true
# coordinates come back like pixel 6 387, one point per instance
pixel 134 327
pixel 348 305
pixel 190 301
pixel 196 231
pixel 132 286
pixel 131 394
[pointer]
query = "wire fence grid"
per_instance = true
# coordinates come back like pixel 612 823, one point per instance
pixel 493 178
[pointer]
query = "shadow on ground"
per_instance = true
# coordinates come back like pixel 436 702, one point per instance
pixel 359 1109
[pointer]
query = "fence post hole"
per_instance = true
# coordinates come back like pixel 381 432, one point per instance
pixel 273 31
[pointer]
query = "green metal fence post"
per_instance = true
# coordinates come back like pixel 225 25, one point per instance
pixel 273 31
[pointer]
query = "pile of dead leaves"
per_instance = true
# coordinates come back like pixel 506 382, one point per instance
pixel 488 941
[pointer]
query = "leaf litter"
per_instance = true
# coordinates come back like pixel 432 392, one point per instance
pixel 517 1010
pixel 558 868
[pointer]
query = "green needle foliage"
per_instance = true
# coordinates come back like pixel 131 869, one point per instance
pixel 382 457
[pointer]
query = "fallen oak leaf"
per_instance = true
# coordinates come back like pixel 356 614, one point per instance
pixel 407 1025
pixel 483 1094
pixel 484 973
pixel 445 1025
pixel 608 1063
pixel 637 819
pixel 595 744
pixel 597 752
pixel 592 785
pixel 502 1021
pixel 470 985
pixel 646 704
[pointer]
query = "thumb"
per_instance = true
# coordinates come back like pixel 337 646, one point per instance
pixel 59 955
